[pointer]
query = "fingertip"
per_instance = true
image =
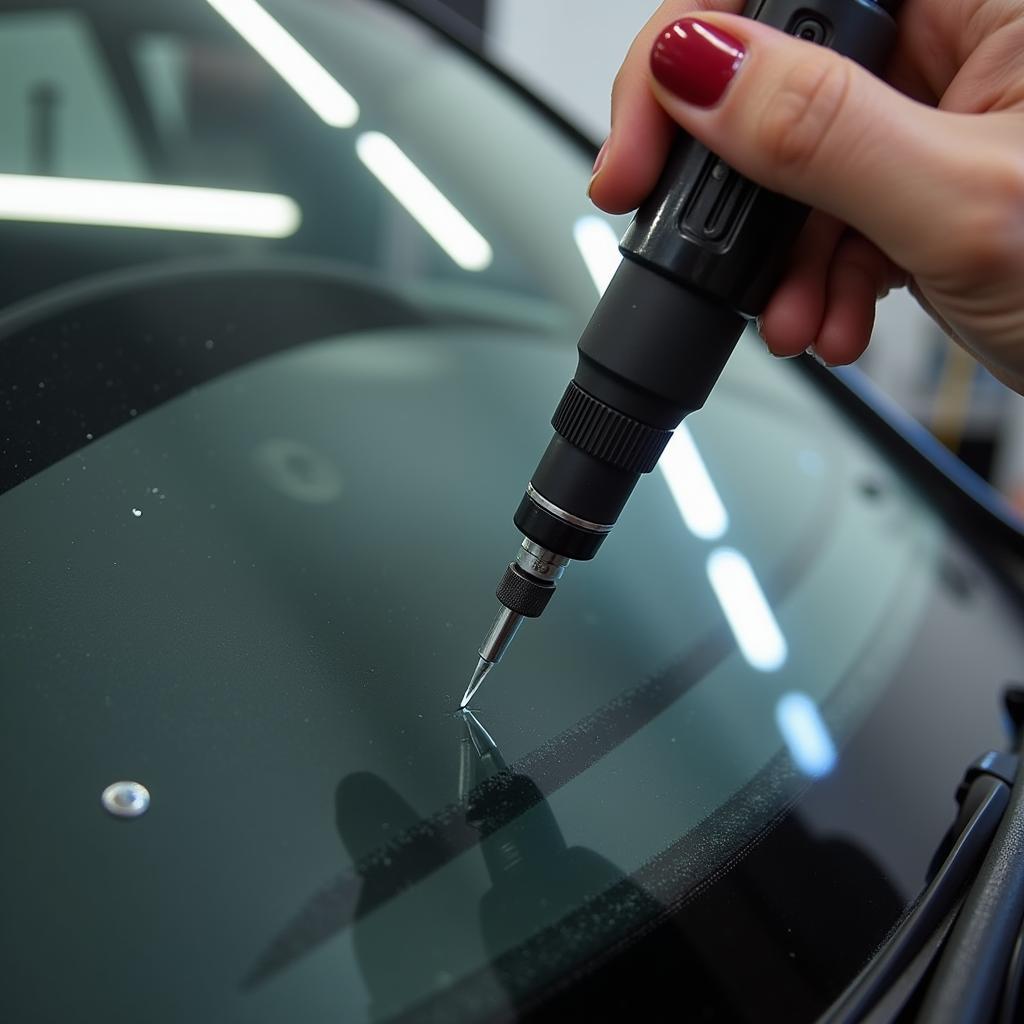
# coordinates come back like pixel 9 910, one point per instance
pixel 612 195
pixel 856 278
pixel 792 318
pixel 642 131
pixel 845 333
pixel 635 151
pixel 631 163
pixel 598 163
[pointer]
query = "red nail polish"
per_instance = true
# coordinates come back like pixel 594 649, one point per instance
pixel 696 60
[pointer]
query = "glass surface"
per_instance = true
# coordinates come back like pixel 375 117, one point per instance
pixel 259 492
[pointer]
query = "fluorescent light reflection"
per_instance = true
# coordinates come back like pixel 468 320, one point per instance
pixel 322 94
pixel 692 488
pixel 746 610
pixel 130 204
pixel 424 201
pixel 806 734
pixel 599 246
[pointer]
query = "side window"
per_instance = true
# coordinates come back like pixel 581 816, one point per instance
pixel 59 112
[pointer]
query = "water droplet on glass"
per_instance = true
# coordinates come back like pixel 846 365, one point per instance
pixel 136 512
pixel 125 799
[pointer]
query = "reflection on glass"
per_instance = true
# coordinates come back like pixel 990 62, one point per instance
pixel 692 488
pixel 806 734
pixel 331 102
pixel 599 246
pixel 540 905
pixel 130 204
pixel 479 756
pixel 746 610
pixel 424 201
pixel 545 894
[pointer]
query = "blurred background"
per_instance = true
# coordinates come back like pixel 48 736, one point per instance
pixel 568 52
pixel 60 118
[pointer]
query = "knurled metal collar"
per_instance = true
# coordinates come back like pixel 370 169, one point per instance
pixel 522 593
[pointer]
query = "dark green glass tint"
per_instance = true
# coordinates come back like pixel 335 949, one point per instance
pixel 246 561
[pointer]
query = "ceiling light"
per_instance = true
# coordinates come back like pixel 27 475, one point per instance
pixel 424 201
pixel 130 204
pixel 746 610
pixel 806 735
pixel 692 488
pixel 599 246
pixel 330 101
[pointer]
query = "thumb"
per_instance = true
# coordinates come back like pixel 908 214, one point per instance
pixel 801 120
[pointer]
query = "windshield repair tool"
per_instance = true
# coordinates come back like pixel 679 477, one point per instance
pixel 702 256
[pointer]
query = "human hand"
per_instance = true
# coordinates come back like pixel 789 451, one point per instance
pixel 916 181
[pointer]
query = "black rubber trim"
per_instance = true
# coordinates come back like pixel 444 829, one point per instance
pixel 971 973
pixel 606 433
pixel 988 798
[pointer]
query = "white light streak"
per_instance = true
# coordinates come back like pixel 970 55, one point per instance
pixel 692 488
pixel 329 100
pixel 746 610
pixel 424 201
pixel 599 246
pixel 130 204
pixel 806 734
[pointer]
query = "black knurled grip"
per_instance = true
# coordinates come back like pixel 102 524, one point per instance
pixel 523 594
pixel 605 433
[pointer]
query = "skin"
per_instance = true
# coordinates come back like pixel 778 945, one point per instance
pixel 916 181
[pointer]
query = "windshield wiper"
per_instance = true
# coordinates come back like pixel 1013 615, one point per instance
pixel 958 955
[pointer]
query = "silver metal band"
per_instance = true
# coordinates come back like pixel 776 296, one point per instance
pixel 566 517
pixel 539 562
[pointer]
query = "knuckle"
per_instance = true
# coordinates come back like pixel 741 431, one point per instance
pixel 993 239
pixel 798 120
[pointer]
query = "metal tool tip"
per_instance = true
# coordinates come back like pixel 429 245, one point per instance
pixel 483 666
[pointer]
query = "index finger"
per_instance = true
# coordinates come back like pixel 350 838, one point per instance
pixel 635 151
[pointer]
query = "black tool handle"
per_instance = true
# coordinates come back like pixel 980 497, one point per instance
pixel 709 228
pixel 702 255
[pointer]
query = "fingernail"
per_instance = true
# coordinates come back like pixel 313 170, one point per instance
pixel 813 353
pixel 598 164
pixel 696 60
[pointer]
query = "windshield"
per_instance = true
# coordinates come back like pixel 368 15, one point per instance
pixel 263 437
